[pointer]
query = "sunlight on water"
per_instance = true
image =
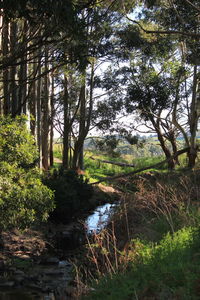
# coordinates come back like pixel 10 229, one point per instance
pixel 99 218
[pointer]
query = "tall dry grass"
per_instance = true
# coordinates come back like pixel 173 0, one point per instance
pixel 163 203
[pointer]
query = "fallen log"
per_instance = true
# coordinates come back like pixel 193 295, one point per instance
pixel 112 162
pixel 142 169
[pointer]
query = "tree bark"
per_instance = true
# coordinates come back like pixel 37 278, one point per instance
pixel 23 73
pixel 5 52
pixel 194 117
pixel 51 122
pixel 66 131
pixel 45 119
pixel 168 155
pixel 32 99
pixel 85 119
pixel 38 104
pixel 13 71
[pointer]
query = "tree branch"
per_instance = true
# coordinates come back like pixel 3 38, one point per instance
pixel 142 169
pixel 184 33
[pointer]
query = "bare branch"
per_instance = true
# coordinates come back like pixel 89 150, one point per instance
pixel 184 33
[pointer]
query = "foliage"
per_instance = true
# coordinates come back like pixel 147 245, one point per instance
pixel 164 270
pixel 72 194
pixel 23 197
pixel 16 143
pixel 162 259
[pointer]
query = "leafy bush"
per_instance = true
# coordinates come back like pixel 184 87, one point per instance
pixel 17 145
pixel 72 195
pixel 23 197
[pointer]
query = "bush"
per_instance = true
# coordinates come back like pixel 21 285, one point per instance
pixel 17 145
pixel 72 194
pixel 23 197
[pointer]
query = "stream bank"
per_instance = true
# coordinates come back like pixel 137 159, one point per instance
pixel 34 264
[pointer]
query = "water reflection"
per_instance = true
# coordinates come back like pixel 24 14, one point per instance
pixel 99 218
pixel 95 222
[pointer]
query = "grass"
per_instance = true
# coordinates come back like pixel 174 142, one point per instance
pixel 150 250
pixel 97 170
pixel 169 269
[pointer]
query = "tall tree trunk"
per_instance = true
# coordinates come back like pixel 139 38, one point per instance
pixel 38 104
pixel 51 121
pixel 67 128
pixel 1 75
pixel 80 140
pixel 85 119
pixel 45 119
pixel 23 73
pixel 194 117
pixel 5 52
pixel 32 99
pixel 13 72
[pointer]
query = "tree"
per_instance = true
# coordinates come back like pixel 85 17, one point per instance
pixel 180 20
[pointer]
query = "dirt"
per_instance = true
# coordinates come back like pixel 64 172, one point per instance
pixel 27 244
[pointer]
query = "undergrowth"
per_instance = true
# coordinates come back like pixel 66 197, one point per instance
pixel 150 250
pixel 167 270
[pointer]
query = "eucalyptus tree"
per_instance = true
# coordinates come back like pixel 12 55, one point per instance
pixel 180 21
pixel 87 52
pixel 32 35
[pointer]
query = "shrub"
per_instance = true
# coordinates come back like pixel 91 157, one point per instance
pixel 23 197
pixel 17 145
pixel 72 194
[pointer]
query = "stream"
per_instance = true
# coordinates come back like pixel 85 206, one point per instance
pixel 50 280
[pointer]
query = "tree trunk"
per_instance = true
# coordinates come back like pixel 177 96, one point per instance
pixel 85 118
pixel 194 117
pixel 172 140
pixel 38 104
pixel 168 155
pixel 5 52
pixel 51 122
pixel 13 72
pixel 66 131
pixel 80 140
pixel 45 119
pixel 32 99
pixel 23 73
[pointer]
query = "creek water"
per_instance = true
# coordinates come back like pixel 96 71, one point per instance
pixel 99 218
pixel 95 222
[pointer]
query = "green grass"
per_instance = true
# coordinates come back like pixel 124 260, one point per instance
pixel 57 149
pixel 96 169
pixel 169 269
